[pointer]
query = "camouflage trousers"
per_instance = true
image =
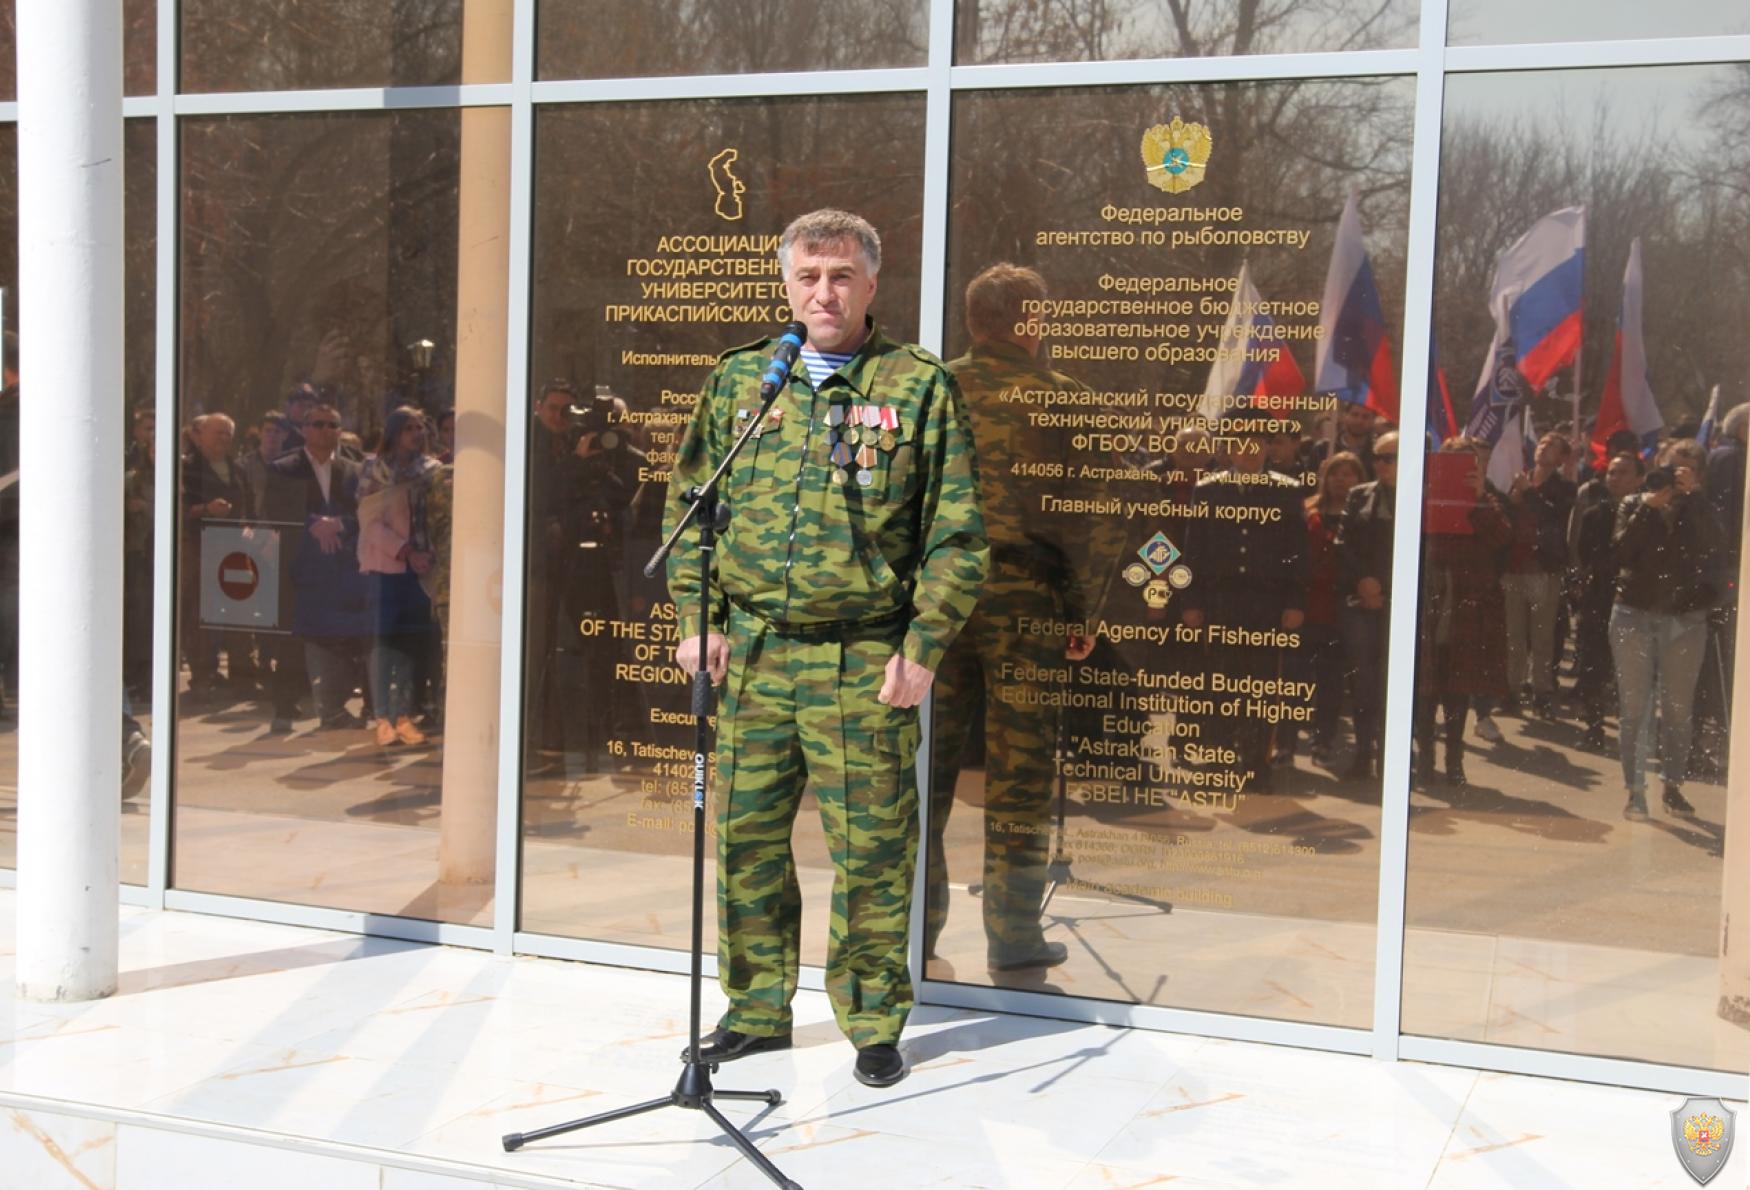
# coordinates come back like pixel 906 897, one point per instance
pixel 802 712
pixel 1019 771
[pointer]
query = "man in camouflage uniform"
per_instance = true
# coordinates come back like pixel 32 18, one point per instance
pixel 1037 573
pixel 854 553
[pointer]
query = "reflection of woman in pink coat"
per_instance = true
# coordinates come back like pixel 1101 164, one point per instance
pixel 1461 631
pixel 394 550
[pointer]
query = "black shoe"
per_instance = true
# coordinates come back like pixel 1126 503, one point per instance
pixel 1676 802
pixel 1046 954
pixel 1593 740
pixel 879 1065
pixel 726 1045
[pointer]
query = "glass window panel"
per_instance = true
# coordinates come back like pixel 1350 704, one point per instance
pixel 278 45
pixel 1546 908
pixel 140 386
pixel 140 352
pixel 607 793
pixel 338 614
pixel 1035 31
pixel 139 48
pixel 1497 22
pixel 1192 796
pixel 639 38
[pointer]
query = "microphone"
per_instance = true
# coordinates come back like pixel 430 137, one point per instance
pixel 783 359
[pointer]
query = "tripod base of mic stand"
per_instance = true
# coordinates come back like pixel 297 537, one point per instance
pixel 1058 873
pixel 694 1092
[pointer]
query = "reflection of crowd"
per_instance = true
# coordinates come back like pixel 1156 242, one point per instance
pixel 1290 540
pixel 1640 561
pixel 350 542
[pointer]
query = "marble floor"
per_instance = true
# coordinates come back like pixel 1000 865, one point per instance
pixel 245 1053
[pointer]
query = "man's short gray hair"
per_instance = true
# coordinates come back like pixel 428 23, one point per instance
pixel 1737 422
pixel 826 227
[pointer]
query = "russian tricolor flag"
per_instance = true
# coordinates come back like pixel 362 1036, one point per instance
pixel 1354 355
pixel 1272 374
pixel 1705 435
pixel 1442 421
pixel 1628 398
pixel 1536 302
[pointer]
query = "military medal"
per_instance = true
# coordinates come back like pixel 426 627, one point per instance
pixel 835 415
pixel 865 460
pixel 889 427
pixel 838 475
pixel 853 436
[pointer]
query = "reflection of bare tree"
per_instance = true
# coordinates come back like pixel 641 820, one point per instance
pixel 1689 203
pixel 301 228
pixel 1091 30
pixel 282 44
pixel 140 247
pixel 139 48
pixel 666 37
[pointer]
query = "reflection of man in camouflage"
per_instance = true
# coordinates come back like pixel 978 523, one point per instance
pixel 1040 577
pixel 855 551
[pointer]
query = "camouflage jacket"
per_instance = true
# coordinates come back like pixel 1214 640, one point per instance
pixel 1021 462
pixel 809 542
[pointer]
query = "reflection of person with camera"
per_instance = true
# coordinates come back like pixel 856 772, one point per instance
pixel 552 479
pixel 1667 547
pixel 1592 588
pixel 608 466
pixel 583 473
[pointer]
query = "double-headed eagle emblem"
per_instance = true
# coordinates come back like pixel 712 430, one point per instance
pixel 1175 155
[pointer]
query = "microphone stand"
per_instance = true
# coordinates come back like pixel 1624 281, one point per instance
pixel 694 1090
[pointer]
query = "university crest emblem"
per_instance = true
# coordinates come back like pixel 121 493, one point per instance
pixel 1174 155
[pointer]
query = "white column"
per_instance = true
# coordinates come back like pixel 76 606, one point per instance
pixel 1735 897
pixel 72 429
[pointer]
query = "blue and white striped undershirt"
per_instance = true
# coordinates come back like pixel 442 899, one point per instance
pixel 821 364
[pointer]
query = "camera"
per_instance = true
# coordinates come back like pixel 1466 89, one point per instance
pixel 1660 478
pixel 599 417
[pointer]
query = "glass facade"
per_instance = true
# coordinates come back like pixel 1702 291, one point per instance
pixel 619 336
pixel 435 346
pixel 136 417
pixel 1184 781
pixel 1577 627
pixel 338 635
